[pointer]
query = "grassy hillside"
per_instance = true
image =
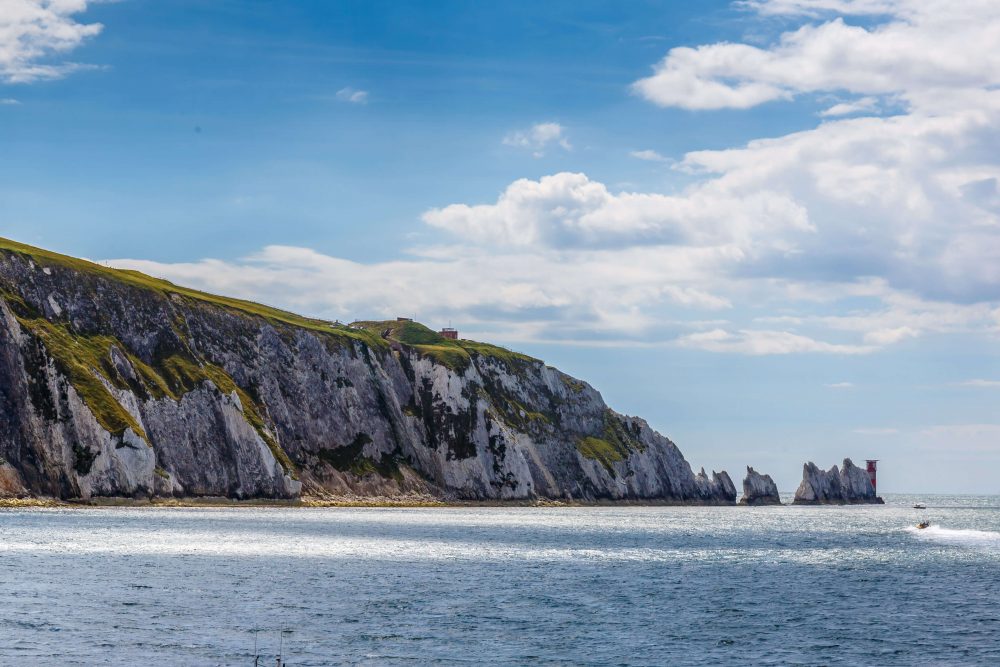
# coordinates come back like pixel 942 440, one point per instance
pixel 46 258
pixel 456 354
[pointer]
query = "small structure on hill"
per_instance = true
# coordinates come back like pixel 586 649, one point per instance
pixel 448 332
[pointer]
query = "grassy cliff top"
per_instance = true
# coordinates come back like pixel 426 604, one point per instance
pixel 47 258
pixel 454 353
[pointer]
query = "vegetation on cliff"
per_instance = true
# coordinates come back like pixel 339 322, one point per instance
pixel 362 408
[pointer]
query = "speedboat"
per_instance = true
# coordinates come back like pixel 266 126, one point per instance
pixel 924 524
pixel 918 506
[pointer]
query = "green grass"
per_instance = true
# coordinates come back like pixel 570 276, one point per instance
pixel 614 444
pixel 85 360
pixel 82 359
pixel 603 451
pixel 509 357
pixel 46 258
pixel 455 354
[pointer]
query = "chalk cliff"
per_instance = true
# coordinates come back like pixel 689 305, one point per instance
pixel 848 486
pixel 759 489
pixel 118 384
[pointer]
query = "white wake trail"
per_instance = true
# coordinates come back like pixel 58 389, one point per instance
pixel 958 537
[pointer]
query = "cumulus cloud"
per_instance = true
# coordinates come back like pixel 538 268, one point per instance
pixel 539 138
pixel 856 235
pixel 352 95
pixel 567 210
pixel 925 50
pixel 584 295
pixel 34 33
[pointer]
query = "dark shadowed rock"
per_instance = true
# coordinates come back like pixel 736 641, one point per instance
pixel 759 489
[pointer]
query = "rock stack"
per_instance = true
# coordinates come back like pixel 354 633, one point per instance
pixel 848 486
pixel 759 489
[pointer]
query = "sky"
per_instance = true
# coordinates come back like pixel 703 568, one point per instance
pixel 770 227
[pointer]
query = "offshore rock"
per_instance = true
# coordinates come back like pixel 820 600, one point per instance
pixel 848 486
pixel 759 489
pixel 114 383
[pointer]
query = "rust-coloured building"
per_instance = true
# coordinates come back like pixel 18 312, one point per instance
pixel 448 332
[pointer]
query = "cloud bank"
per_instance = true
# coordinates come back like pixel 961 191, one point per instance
pixel 865 232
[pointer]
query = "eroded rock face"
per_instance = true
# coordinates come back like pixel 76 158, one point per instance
pixel 759 489
pixel 849 485
pixel 113 388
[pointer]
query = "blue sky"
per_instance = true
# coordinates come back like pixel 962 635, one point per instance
pixel 769 227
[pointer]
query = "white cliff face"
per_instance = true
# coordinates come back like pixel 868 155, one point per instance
pixel 759 489
pixel 117 390
pixel 848 486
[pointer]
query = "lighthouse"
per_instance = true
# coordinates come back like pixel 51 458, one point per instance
pixel 872 467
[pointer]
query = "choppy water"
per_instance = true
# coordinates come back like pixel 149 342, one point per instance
pixel 622 586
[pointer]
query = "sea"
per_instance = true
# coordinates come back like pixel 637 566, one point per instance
pixel 610 585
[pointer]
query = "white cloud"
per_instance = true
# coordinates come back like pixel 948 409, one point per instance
pixel 926 49
pixel 538 138
pixel 352 95
pixel 853 236
pixel 820 7
pixel 876 431
pixel 984 384
pixel 890 336
pixel 569 210
pixel 861 105
pixel 649 156
pixel 9 101
pixel 34 32
pixel 761 342
pixel 841 385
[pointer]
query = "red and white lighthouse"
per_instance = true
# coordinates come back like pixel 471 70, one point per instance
pixel 872 467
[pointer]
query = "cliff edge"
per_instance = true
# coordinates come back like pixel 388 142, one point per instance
pixel 118 384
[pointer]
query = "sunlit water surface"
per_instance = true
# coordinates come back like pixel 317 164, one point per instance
pixel 622 586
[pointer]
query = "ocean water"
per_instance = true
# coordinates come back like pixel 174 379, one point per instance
pixel 518 586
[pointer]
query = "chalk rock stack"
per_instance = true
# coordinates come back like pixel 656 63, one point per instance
pixel 849 485
pixel 759 489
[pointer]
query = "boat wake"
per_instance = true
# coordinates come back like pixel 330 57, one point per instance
pixel 958 537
